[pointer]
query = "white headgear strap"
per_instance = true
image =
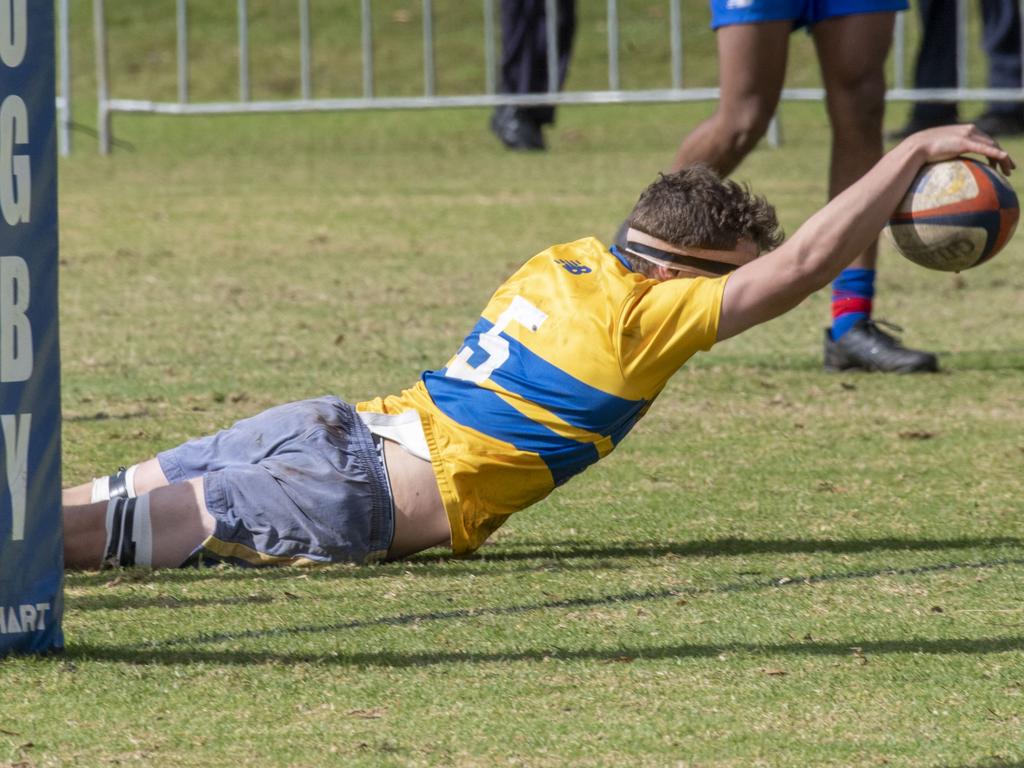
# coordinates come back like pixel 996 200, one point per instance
pixel 703 261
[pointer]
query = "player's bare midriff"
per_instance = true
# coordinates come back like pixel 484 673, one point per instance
pixel 420 518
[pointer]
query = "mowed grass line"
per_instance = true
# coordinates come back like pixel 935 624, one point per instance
pixel 778 567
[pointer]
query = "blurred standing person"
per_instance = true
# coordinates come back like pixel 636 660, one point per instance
pixel 524 67
pixel 852 39
pixel 936 66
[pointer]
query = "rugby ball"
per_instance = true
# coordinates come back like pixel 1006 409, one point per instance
pixel 958 214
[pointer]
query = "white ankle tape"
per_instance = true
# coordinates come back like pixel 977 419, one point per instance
pixel 125 477
pixel 100 489
pixel 129 480
pixel 129 533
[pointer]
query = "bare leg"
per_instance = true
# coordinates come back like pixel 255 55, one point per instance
pixel 852 51
pixel 752 68
pixel 179 518
pixel 148 477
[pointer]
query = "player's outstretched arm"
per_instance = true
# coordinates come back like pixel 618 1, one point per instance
pixel 832 238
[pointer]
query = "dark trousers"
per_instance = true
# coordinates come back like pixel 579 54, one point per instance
pixel 936 58
pixel 524 50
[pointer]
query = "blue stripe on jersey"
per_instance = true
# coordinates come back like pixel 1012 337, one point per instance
pixel 622 259
pixel 533 378
pixel 527 375
pixel 484 411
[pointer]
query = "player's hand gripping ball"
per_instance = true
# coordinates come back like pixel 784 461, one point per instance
pixel 958 214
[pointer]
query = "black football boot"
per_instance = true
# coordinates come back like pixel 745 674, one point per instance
pixel 866 347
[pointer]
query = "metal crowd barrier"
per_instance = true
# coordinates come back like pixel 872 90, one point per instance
pixel 614 94
pixel 63 45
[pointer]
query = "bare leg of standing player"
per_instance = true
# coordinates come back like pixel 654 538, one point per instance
pixel 752 69
pixel 852 51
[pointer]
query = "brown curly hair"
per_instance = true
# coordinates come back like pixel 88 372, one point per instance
pixel 696 208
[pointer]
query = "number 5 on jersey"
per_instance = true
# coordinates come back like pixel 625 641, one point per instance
pixel 491 342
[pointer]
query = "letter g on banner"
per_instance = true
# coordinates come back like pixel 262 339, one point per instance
pixel 15 170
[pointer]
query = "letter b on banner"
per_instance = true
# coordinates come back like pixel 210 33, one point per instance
pixel 31 560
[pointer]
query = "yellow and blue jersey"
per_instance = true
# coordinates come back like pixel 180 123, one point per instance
pixel 568 354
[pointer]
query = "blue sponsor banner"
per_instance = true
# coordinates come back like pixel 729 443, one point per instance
pixel 31 551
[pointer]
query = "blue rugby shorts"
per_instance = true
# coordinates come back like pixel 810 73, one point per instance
pixel 803 13
pixel 301 483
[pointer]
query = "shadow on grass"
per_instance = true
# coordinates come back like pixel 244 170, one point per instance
pixel 733 546
pixel 571 603
pixel 117 601
pixel 984 360
pixel 491 561
pixel 105 416
pixel 861 649
pixel 951 362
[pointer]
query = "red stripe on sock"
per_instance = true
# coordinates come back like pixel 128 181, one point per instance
pixel 850 304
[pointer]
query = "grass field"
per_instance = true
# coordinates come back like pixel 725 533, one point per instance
pixel 778 568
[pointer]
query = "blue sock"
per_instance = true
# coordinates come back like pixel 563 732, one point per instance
pixel 852 293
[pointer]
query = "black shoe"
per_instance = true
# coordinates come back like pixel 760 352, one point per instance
pixel 914 125
pixel 515 130
pixel 1001 123
pixel 866 347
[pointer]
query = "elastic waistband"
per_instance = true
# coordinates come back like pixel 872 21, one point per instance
pixel 382 515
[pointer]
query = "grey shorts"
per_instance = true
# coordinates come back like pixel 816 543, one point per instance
pixel 299 483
